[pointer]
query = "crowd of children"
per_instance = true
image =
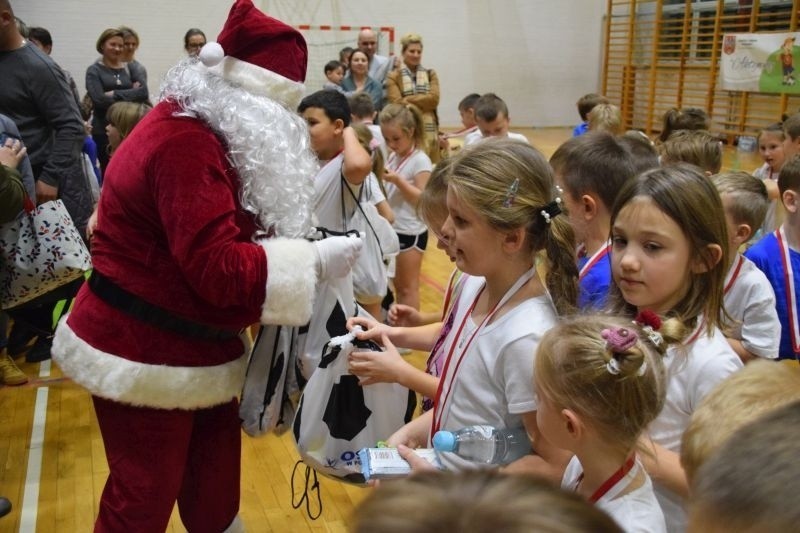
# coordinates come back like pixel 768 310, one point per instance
pixel 652 236
pixel 624 303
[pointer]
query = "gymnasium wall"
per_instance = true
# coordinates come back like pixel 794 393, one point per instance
pixel 538 55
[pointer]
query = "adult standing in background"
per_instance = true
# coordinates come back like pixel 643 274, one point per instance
pixel 109 80
pixel 193 41
pixel 359 80
pixel 379 66
pixel 414 84
pixel 35 95
pixel 130 43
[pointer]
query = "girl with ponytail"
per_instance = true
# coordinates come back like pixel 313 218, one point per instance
pixel 669 257
pixel 600 383
pixel 503 219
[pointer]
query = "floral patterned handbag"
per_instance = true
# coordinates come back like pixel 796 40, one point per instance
pixel 42 250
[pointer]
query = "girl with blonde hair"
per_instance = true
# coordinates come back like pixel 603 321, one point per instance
pixel 600 383
pixel 503 217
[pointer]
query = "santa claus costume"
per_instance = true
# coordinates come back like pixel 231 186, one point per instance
pixel 155 333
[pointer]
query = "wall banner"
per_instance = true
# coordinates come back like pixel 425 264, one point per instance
pixel 760 62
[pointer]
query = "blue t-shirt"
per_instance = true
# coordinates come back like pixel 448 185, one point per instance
pixel 580 129
pixel 90 149
pixel 594 283
pixel 766 254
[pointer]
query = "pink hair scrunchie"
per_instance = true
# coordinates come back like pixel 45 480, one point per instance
pixel 619 339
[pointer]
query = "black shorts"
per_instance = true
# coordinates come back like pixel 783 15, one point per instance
pixel 420 242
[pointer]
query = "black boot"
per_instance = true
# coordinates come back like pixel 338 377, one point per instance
pixel 40 350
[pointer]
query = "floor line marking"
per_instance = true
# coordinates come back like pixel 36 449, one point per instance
pixel 33 475
pixel 431 282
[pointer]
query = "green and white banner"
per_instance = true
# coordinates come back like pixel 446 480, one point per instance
pixel 760 62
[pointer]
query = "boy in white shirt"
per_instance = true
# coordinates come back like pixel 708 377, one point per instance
pixel 491 115
pixel 754 330
pixel 340 156
pixel 466 109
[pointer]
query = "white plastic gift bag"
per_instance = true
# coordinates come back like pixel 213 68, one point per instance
pixel 337 417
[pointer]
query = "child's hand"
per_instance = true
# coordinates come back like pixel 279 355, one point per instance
pixel 372 328
pixel 12 153
pixel 378 367
pixel 404 315
pixel 418 464
pixel 390 176
pixel 91 225
pixel 407 436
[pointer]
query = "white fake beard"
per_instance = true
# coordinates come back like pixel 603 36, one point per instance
pixel 268 145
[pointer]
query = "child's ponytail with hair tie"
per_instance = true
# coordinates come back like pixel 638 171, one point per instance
pixel 661 333
pixel 620 344
pixel 558 240
pixel 551 210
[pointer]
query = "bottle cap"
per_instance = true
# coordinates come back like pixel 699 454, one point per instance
pixel 444 441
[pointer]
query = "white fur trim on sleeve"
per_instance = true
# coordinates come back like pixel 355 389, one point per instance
pixel 291 281
pixel 258 80
pixel 160 386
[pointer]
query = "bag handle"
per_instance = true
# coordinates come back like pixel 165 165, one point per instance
pixel 333 233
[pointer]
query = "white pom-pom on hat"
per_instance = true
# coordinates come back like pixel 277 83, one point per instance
pixel 260 54
pixel 211 54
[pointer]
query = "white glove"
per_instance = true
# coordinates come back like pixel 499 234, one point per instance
pixel 337 255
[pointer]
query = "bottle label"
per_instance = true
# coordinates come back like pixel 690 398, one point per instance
pixel 485 431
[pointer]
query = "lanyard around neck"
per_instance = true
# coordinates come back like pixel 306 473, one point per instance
pixel 443 392
pixel 609 483
pixel 735 275
pixel 394 157
pixel 598 256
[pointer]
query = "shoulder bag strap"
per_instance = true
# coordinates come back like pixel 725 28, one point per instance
pixel 358 205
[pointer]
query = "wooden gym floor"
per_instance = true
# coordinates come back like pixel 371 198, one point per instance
pixel 54 467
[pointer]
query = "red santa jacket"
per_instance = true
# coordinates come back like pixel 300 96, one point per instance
pixel 171 231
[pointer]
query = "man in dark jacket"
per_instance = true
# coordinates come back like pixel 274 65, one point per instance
pixel 36 96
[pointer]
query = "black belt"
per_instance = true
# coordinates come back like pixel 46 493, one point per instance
pixel 119 298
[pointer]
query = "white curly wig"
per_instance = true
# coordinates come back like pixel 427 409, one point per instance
pixel 268 144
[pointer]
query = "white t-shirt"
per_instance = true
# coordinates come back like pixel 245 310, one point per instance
pixel 476 136
pixel 750 302
pixel 764 172
pixel 472 137
pixel 371 191
pixel 494 383
pixel 692 371
pixel 635 512
pixel 406 220
pixel 329 195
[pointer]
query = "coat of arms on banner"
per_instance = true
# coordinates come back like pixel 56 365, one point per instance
pixel 729 44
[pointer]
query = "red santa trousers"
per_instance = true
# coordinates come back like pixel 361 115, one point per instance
pixel 158 456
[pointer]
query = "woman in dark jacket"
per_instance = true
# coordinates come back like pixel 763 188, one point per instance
pixel 109 80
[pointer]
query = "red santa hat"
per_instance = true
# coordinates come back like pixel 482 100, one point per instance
pixel 259 53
